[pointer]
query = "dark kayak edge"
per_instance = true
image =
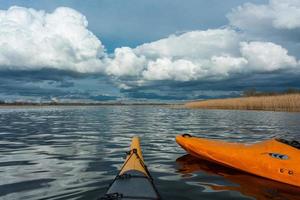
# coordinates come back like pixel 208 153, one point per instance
pixel 132 185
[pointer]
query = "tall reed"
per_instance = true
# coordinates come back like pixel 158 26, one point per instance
pixel 288 102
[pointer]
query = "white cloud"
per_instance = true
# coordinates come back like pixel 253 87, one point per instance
pixel 217 53
pixel 179 70
pixel 223 65
pixel 201 55
pixel 31 39
pixel 267 56
pixel 125 63
pixel 277 14
pixel 189 56
pixel 287 13
pixel 192 45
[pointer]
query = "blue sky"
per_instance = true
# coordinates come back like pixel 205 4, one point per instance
pixel 146 50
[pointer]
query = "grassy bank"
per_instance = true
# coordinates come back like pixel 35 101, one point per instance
pixel 288 102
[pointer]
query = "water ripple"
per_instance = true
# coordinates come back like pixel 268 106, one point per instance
pixel 74 152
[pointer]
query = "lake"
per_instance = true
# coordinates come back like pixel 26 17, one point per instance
pixel 63 153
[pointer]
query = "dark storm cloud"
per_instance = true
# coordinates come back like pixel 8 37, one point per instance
pixel 19 88
pixel 34 82
pixel 42 74
pixel 66 84
pixel 48 83
pixel 103 98
pixel 152 95
pixel 231 87
pixel 16 90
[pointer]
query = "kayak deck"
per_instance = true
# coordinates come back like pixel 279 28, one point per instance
pixel 134 181
pixel 134 159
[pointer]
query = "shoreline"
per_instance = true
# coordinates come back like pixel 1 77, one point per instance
pixel 278 103
pixel 30 105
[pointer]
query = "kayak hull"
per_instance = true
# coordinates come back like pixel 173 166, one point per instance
pixel 270 159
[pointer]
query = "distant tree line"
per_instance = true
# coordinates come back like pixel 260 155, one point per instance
pixel 20 103
pixel 252 92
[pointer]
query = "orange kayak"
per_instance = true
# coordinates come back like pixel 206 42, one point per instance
pixel 275 159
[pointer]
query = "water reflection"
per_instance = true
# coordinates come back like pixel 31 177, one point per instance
pixel 249 185
pixel 63 153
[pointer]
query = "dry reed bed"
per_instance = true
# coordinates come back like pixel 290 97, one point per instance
pixel 288 102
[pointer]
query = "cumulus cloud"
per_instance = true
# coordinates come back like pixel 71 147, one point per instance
pixel 125 63
pixel 266 56
pixel 192 45
pixel 182 57
pixel 178 70
pixel 218 54
pixel 201 55
pixel 226 64
pixel 31 39
pixel 276 14
pixel 189 56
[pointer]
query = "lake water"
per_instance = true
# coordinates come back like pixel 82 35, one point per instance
pixel 75 152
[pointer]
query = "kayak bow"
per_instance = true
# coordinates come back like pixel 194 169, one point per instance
pixel 134 180
pixel 275 159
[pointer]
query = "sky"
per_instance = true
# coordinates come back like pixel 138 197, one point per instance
pixel 141 50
